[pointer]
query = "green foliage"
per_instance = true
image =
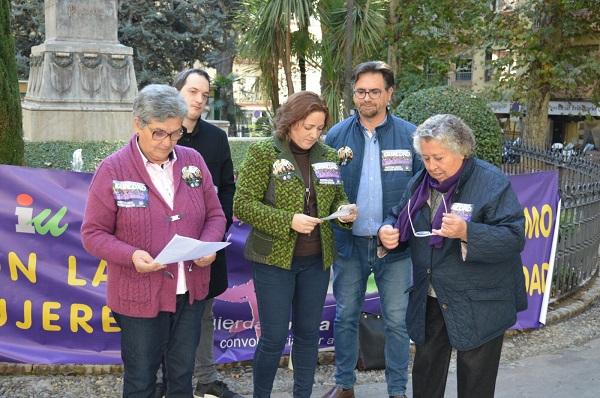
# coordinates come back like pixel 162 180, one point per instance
pixel 239 148
pixel 265 125
pixel 267 38
pixel 59 154
pixel 160 34
pixel 166 36
pixel 549 48
pixel 368 29
pixel 419 106
pixel 552 43
pixel 265 28
pixel 11 133
pixel 428 35
pixel 28 28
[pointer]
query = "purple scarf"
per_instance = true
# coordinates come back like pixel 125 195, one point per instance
pixel 419 199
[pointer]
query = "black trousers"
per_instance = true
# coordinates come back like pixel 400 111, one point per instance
pixel 476 369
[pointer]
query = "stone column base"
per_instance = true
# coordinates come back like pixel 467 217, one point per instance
pixel 77 125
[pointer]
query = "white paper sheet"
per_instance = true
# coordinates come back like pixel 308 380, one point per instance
pixel 182 248
pixel 340 213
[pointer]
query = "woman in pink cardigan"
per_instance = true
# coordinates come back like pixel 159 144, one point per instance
pixel 139 198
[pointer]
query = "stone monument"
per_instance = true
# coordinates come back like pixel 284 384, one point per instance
pixel 81 80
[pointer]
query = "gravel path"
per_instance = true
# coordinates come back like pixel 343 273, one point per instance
pixel 550 339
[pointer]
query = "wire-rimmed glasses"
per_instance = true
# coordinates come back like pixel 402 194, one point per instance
pixel 422 234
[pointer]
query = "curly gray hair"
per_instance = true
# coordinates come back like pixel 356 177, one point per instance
pixel 449 130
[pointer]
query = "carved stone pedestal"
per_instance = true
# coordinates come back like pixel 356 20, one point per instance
pixel 81 80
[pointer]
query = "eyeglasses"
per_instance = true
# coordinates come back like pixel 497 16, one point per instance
pixel 159 134
pixel 361 93
pixel 422 234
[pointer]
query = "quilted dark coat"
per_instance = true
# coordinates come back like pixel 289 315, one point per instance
pixel 481 295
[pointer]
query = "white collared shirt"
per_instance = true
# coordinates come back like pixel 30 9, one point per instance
pixel 162 178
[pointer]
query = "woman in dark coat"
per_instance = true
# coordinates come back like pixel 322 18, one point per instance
pixel 465 229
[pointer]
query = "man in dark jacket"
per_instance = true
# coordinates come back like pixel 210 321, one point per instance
pixel 212 143
pixel 376 161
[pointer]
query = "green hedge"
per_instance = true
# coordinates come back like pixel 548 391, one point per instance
pixel 58 154
pixel 420 105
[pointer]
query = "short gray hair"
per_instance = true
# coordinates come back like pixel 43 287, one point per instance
pixel 449 130
pixel 158 102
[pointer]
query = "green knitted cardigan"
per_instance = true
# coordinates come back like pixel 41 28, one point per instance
pixel 268 200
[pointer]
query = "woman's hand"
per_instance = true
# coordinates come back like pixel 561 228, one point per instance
pixel 304 224
pixel 352 210
pixel 143 262
pixel 206 260
pixel 453 226
pixel 389 237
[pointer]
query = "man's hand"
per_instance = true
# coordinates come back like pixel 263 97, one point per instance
pixel 389 237
pixel 352 210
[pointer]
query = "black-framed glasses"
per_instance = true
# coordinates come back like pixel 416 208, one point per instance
pixel 160 134
pixel 362 93
pixel 422 234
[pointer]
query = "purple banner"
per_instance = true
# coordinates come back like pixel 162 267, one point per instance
pixel 52 306
pixel 538 194
pixel 52 303
pixel 237 326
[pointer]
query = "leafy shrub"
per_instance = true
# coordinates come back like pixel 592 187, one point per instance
pixel 419 106
pixel 239 148
pixel 59 154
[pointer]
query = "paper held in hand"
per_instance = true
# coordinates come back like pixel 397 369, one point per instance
pixel 340 213
pixel 182 248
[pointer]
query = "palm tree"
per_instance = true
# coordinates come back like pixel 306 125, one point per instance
pixel 359 31
pixel 268 38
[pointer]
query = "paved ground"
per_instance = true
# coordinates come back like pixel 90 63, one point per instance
pixel 574 372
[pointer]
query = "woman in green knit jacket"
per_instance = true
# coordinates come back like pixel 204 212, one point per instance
pixel 285 187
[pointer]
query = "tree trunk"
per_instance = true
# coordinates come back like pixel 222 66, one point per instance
pixel 302 68
pixel 348 52
pixel 392 55
pixel 274 83
pixel 287 61
pixel 224 67
pixel 535 124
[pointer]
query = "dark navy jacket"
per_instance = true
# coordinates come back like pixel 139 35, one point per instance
pixel 212 143
pixel 480 296
pixel 395 133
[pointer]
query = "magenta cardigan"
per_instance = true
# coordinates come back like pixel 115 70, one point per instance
pixel 114 233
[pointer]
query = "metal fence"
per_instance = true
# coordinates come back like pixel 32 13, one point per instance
pixel 579 233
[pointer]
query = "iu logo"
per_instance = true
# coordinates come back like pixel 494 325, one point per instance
pixel 27 223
